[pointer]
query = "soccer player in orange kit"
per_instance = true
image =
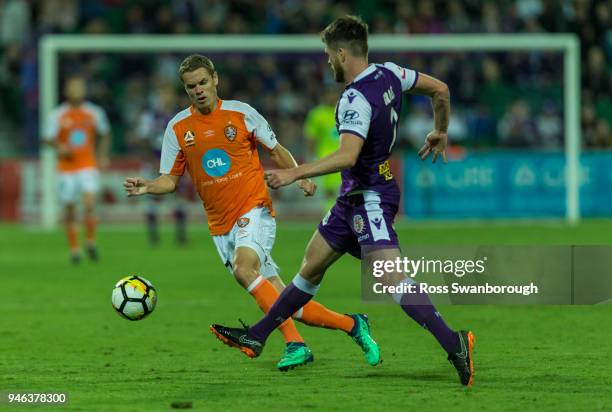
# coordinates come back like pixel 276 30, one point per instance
pixel 216 141
pixel 72 129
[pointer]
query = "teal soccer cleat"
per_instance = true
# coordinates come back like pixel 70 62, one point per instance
pixel 361 336
pixel 296 354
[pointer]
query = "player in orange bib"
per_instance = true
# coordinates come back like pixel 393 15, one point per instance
pixel 72 129
pixel 216 141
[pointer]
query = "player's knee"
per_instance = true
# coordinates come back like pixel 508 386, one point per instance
pixel 311 271
pixel 244 274
pixel 89 210
pixel 69 214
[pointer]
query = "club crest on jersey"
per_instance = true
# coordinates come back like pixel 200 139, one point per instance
pixel 358 224
pixel 189 138
pixel 243 222
pixel 230 132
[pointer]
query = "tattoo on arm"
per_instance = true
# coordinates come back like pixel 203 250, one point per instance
pixel 440 103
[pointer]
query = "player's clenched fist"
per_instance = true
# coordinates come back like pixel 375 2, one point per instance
pixel 135 186
pixel 279 177
pixel 308 187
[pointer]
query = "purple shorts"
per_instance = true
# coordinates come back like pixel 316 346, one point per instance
pixel 360 220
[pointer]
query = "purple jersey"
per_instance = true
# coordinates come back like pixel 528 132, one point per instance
pixel 151 126
pixel 369 108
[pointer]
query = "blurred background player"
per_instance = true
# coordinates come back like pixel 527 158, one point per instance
pixel 72 129
pixel 216 141
pixel 148 138
pixel 322 139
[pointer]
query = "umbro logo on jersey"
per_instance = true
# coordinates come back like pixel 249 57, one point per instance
pixel 230 132
pixel 351 97
pixel 189 138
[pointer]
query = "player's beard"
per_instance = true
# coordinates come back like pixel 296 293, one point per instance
pixel 338 72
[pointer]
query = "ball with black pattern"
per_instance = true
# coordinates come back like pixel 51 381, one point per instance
pixel 134 297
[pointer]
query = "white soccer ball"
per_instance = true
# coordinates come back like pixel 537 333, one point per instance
pixel 134 297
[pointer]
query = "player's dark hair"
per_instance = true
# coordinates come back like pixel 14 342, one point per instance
pixel 347 31
pixel 195 62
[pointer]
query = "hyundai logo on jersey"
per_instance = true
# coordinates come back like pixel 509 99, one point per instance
pixel 350 115
pixel 216 163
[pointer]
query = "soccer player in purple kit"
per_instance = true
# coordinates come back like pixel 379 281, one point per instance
pixel 361 221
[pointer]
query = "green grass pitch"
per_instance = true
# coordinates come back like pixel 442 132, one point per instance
pixel 59 333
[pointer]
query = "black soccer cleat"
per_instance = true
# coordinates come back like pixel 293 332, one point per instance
pixel 462 359
pixel 75 258
pixel 238 338
pixel 92 252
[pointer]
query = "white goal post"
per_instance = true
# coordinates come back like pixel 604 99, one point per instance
pixel 52 45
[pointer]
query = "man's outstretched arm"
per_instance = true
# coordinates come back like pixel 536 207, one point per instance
pixel 437 139
pixel 284 159
pixel 343 158
pixel 136 186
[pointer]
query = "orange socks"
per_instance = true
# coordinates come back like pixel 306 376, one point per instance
pixel 90 230
pixel 73 238
pixel 312 314
pixel 315 314
pixel 265 295
pixel 72 233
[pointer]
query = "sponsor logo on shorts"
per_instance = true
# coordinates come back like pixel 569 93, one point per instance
pixel 358 224
pixel 363 237
pixel 230 132
pixel 243 221
pixel 189 138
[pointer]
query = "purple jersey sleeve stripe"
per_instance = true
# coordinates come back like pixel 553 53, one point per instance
pixel 351 132
pixel 416 78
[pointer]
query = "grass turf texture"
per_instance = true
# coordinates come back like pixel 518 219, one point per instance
pixel 58 332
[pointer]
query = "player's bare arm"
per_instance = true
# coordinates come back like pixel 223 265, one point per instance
pixel 437 139
pixel 136 186
pixel 285 160
pixel 104 150
pixel 63 150
pixel 343 158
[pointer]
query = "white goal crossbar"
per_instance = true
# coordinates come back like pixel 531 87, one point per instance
pixel 52 45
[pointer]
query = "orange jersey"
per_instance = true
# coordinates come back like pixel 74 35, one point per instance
pixel 76 127
pixel 220 152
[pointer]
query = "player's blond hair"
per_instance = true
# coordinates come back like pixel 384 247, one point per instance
pixel 195 62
